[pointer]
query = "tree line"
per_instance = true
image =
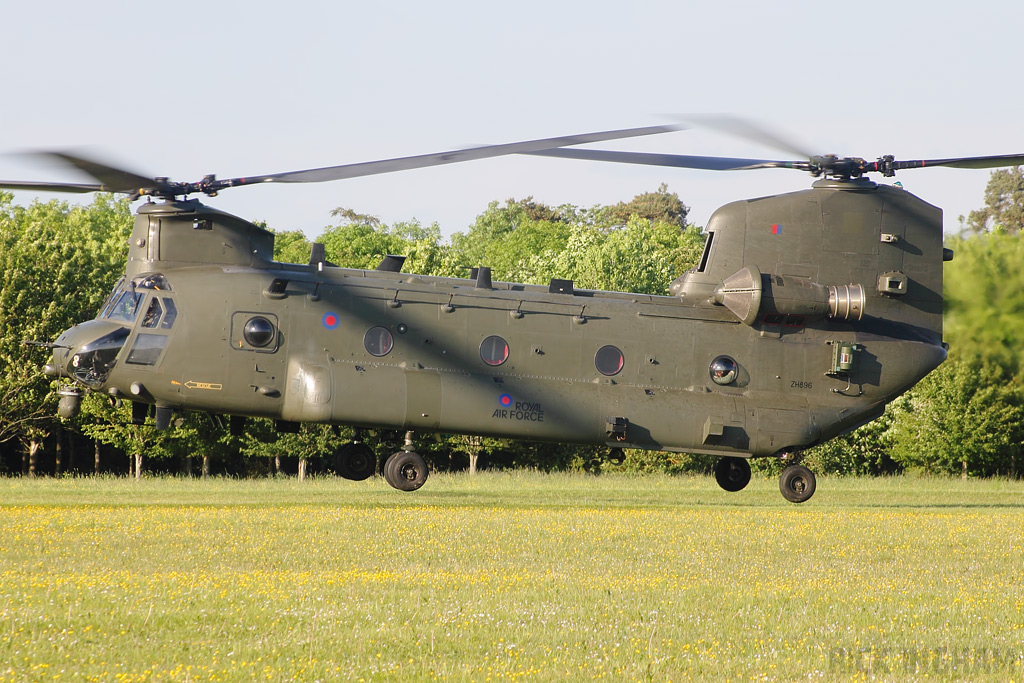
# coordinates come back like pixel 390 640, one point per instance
pixel 57 261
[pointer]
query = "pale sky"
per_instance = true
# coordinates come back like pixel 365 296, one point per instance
pixel 243 88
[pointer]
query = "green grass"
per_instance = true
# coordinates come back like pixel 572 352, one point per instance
pixel 510 576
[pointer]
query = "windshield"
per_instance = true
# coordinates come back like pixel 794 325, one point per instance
pixel 124 306
pixel 111 298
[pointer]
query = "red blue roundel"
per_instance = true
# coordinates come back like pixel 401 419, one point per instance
pixel 330 320
pixel 505 400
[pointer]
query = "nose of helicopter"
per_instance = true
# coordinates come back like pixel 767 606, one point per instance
pixel 87 352
pixel 59 357
pixel 65 349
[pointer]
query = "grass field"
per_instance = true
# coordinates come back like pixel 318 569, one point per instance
pixel 510 577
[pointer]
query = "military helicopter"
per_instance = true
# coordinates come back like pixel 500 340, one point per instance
pixel 807 313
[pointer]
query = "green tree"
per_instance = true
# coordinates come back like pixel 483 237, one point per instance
pixel 312 441
pixel 291 246
pixel 643 257
pixel 660 206
pixel 111 423
pixel 984 292
pixel 636 246
pixel 966 418
pixel 56 265
pixel 864 451
pixel 363 241
pixel 199 435
pixel 645 462
pixel 1004 204
pixel 515 240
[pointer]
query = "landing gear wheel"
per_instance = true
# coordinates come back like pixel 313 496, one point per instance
pixel 355 461
pixel 732 474
pixel 405 470
pixel 797 484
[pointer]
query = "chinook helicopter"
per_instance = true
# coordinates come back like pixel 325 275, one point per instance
pixel 807 313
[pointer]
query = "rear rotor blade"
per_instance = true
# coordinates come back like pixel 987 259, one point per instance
pixel 742 128
pixel 965 162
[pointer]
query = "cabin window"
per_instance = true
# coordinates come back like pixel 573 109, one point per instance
pixel 723 370
pixel 250 331
pixel 707 252
pixel 608 360
pixel 258 332
pixel 378 341
pixel 494 350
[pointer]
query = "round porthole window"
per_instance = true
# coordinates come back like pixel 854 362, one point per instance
pixel 494 350
pixel 608 360
pixel 723 370
pixel 258 332
pixel 378 341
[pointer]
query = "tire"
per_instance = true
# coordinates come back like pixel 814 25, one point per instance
pixel 406 471
pixel 386 470
pixel 797 484
pixel 732 474
pixel 355 461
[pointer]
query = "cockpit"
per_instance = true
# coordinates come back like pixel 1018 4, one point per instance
pixel 124 301
pixel 144 302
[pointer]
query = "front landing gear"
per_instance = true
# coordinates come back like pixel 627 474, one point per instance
pixel 406 470
pixel 732 474
pixel 797 484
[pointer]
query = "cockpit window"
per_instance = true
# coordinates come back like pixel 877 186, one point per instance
pixel 707 252
pixel 147 349
pixel 153 313
pixel 108 303
pixel 155 281
pixel 126 307
pixel 172 313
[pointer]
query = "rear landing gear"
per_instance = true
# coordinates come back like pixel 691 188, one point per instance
pixel 732 474
pixel 406 470
pixel 797 483
pixel 355 461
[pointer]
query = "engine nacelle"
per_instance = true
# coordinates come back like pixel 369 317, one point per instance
pixel 749 295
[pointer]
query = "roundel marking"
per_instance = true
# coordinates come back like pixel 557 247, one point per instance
pixel 505 400
pixel 330 320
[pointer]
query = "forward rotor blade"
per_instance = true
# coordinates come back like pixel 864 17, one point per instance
pixel 110 179
pixel 51 187
pixel 113 179
pixel 319 175
pixel 675 160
